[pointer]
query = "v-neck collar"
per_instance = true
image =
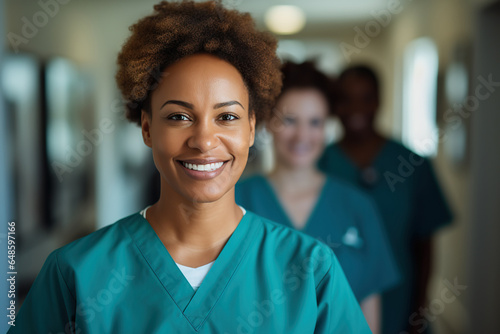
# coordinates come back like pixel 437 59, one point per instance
pixel 195 306
pixel 286 218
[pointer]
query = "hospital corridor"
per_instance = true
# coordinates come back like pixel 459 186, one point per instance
pixel 250 166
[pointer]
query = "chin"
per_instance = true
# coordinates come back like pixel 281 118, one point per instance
pixel 207 194
pixel 301 162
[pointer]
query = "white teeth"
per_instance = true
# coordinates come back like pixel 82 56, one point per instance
pixel 204 168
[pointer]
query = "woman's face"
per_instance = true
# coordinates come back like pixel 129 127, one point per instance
pixel 299 127
pixel 200 128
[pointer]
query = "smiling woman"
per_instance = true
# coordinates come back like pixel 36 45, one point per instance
pixel 199 118
pixel 196 261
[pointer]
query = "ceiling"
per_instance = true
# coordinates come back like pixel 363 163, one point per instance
pixel 340 11
pixel 316 10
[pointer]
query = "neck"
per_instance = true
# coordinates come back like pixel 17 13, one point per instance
pixel 292 177
pixel 178 219
pixel 355 138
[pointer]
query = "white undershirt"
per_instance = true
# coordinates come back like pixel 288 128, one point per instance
pixel 193 275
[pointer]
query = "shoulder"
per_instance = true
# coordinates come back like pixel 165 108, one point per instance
pixel 331 150
pixel 280 233
pixel 347 193
pixel 92 247
pixel 409 161
pixel 354 205
pixel 399 149
pixel 290 246
pixel 250 189
pixel 332 158
pixel 332 147
pixel 251 181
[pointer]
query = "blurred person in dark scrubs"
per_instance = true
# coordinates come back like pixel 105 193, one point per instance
pixel 402 184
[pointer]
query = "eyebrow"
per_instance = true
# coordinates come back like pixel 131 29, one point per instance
pixel 190 106
pixel 180 103
pixel 228 103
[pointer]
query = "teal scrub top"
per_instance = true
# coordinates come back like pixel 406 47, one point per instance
pixel 343 218
pixel 412 206
pixel 121 279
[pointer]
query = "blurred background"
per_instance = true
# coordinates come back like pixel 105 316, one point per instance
pixel 70 162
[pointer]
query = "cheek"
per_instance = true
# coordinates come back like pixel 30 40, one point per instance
pixel 318 137
pixel 161 157
pixel 237 145
pixel 318 132
pixel 284 135
pixel 315 138
pixel 165 145
pixel 237 142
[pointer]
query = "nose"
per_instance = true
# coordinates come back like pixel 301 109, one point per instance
pixel 301 131
pixel 204 136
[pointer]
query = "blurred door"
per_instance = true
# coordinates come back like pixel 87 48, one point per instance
pixel 484 264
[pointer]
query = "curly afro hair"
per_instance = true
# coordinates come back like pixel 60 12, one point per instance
pixel 179 29
pixel 306 75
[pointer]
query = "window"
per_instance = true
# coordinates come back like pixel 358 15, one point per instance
pixel 419 129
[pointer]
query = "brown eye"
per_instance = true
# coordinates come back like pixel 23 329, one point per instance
pixel 178 117
pixel 316 123
pixel 287 120
pixel 228 117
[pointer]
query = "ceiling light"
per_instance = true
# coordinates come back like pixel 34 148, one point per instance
pixel 285 19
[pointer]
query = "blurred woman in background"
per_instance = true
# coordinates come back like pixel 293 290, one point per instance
pixel 296 194
pixel 402 184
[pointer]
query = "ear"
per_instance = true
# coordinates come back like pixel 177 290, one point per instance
pixel 146 128
pixel 252 128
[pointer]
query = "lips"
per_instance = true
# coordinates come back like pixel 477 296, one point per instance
pixel 202 169
pixel 300 149
pixel 209 167
pixel 202 161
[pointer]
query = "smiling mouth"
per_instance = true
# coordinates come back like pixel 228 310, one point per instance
pixel 210 167
pixel 202 169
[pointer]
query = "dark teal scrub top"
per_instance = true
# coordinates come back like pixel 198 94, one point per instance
pixel 343 218
pixel 121 279
pixel 412 205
